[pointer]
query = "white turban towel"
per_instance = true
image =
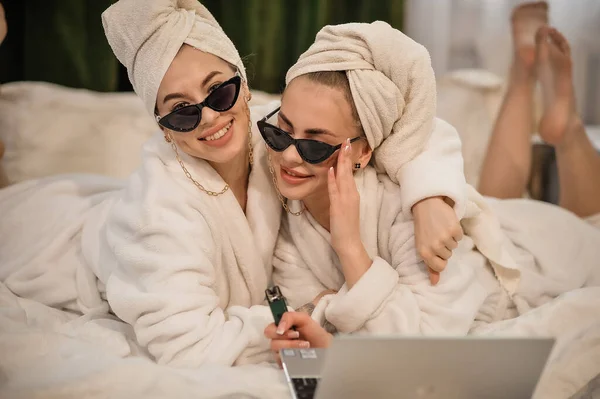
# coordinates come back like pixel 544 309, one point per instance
pixel 146 35
pixel 392 84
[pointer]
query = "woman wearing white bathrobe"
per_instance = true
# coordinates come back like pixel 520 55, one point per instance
pixel 351 232
pixel 182 250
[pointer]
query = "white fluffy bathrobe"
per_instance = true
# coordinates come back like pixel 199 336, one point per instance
pixel 556 252
pixel 187 270
pixel 394 295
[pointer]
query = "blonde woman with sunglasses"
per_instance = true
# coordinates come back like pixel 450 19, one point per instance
pixel 346 257
pixel 182 250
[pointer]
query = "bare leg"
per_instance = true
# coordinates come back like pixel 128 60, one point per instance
pixel 506 168
pixel 578 162
pixel 3 178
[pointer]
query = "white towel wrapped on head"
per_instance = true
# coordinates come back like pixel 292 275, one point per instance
pixel 384 67
pixel 148 43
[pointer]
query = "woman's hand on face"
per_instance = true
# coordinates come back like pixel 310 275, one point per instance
pixel 344 203
pixel 437 233
pixel 308 333
pixel 344 219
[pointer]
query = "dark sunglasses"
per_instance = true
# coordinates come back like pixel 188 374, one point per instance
pixel 311 151
pixel 188 118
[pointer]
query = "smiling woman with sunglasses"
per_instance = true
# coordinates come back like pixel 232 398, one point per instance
pixel 181 250
pixel 347 254
pixel 346 250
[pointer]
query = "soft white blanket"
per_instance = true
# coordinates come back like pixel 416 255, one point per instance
pixel 573 319
pixel 47 353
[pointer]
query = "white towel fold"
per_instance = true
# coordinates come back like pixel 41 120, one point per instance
pixel 146 36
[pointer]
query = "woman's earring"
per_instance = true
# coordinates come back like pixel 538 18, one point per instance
pixel 167 137
pixel 356 166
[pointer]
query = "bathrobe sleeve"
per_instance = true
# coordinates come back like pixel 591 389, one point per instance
pixel 437 171
pixel 297 282
pixel 164 286
pixel 398 297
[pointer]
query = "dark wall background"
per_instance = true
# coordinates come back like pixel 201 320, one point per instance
pixel 62 41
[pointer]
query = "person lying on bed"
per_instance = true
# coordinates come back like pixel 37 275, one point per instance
pixel 347 240
pixel 179 250
pixel 182 250
pixel 542 54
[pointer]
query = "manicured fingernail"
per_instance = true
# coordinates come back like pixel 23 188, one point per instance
pixel 281 328
pixel 304 344
pixel 294 334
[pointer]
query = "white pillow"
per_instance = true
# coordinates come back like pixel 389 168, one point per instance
pixel 50 129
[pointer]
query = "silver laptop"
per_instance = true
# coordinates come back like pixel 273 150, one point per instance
pixel 431 368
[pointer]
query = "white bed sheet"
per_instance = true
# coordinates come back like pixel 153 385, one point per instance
pixel 46 353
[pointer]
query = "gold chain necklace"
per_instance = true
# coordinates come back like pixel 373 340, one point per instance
pixel 281 199
pixel 189 175
pixel 250 149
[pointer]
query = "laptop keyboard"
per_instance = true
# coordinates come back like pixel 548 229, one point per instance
pixel 305 387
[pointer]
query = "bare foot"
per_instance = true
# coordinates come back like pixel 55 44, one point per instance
pixel 526 19
pixel 554 69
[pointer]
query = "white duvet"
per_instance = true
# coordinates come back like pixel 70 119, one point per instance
pixel 46 353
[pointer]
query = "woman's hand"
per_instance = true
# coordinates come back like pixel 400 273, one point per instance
pixel 344 203
pixel 308 333
pixel 437 233
pixel 344 219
